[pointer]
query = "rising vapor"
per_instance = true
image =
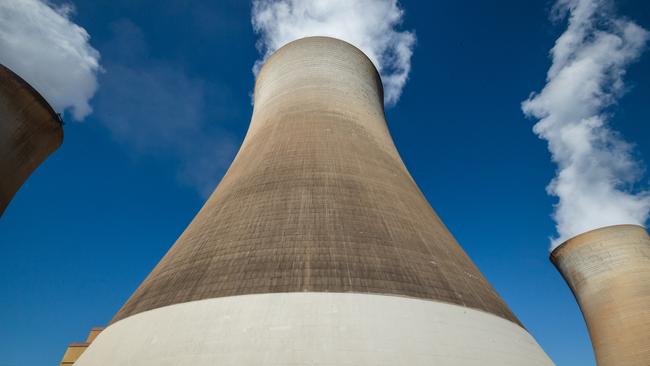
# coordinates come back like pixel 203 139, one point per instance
pixel 596 167
pixel 371 25
pixel 40 43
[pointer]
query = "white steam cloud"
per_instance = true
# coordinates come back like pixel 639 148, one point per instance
pixel 370 25
pixel 597 171
pixel 39 42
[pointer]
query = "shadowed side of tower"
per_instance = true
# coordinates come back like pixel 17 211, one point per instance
pixel 30 131
pixel 317 247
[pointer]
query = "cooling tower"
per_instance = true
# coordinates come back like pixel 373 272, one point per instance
pixel 29 132
pixel 316 248
pixel 608 270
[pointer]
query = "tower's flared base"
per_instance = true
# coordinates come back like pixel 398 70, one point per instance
pixel 314 329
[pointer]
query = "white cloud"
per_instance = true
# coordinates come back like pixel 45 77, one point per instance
pixel 39 42
pixel 155 108
pixel 596 168
pixel 370 25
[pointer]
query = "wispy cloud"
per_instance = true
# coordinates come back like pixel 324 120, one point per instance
pixel 370 25
pixel 40 43
pixel 597 171
pixel 155 108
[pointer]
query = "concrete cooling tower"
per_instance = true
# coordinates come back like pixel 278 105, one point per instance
pixel 608 270
pixel 30 131
pixel 316 248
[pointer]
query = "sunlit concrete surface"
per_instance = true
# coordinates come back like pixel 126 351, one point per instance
pixel 608 270
pixel 314 329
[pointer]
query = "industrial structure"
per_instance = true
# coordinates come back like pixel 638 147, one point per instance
pixel 75 350
pixel 316 248
pixel 30 131
pixel 608 270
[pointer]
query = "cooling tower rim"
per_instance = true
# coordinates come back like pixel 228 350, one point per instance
pixel 582 239
pixel 42 102
pixel 325 38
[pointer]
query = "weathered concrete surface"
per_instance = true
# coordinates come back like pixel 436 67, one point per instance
pixel 317 247
pixel 29 132
pixel 317 199
pixel 318 329
pixel 608 270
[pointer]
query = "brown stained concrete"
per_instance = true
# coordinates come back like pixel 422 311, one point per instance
pixel 75 350
pixel 608 270
pixel 29 132
pixel 72 353
pixel 317 199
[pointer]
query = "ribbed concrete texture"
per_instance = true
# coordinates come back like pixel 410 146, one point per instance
pixel 608 270
pixel 318 200
pixel 316 329
pixel 29 132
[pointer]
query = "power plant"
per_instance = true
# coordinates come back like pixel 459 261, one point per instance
pixel 608 270
pixel 30 131
pixel 316 248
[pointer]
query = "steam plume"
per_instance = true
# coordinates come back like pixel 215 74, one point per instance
pixel 41 44
pixel 370 25
pixel 596 168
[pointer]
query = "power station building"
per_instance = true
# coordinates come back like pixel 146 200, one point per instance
pixel 608 270
pixel 30 131
pixel 316 248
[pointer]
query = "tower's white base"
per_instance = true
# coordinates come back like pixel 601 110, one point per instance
pixel 314 329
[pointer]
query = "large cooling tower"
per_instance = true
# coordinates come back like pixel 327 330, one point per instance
pixel 608 270
pixel 29 132
pixel 317 247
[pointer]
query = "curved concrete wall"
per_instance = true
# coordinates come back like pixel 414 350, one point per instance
pixel 317 199
pixel 608 270
pixel 316 329
pixel 29 132
pixel 315 219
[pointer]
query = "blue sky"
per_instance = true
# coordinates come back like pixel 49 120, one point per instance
pixel 173 106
